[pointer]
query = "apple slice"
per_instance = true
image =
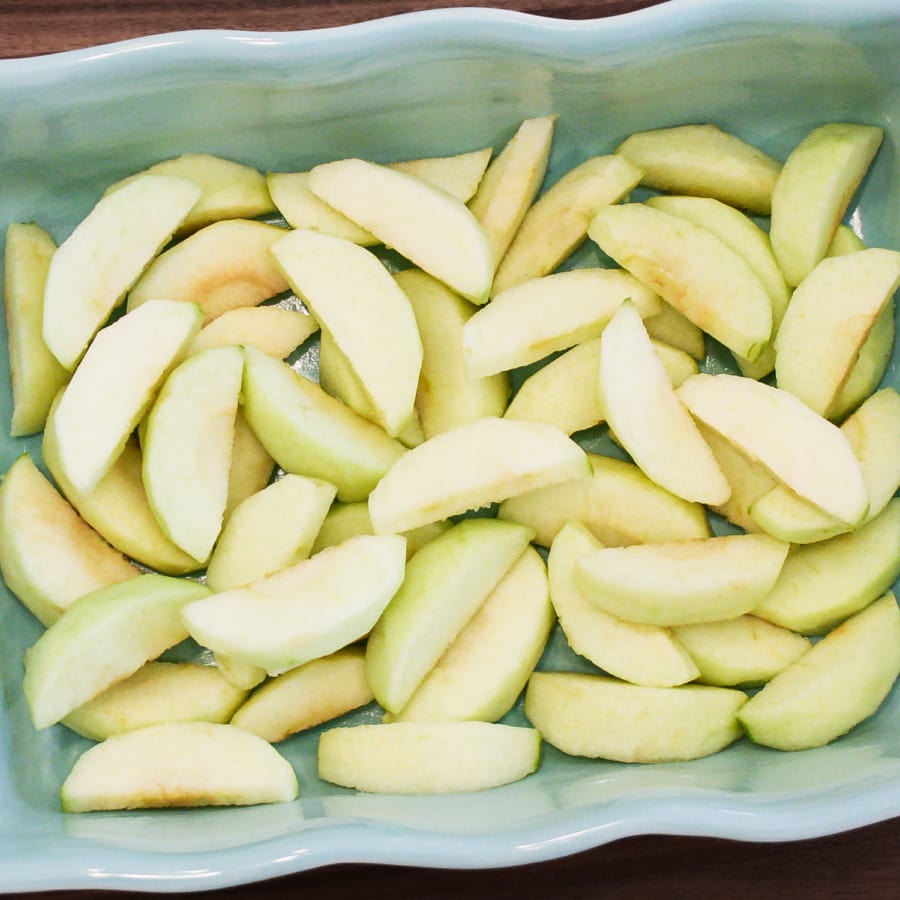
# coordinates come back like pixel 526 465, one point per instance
pixel 35 373
pixel 104 637
pixel 158 692
pixel 479 463
pixel 692 269
pixel 564 391
pixel 682 582
pixel 647 416
pixel 241 674
pixel 187 453
pixel 49 556
pixel 458 175
pixel 831 314
pixel 557 223
pixel 305 611
pixel 749 241
pixel 446 582
pixel 178 764
pixel 428 757
pixel 600 717
pixel 744 651
pixel 845 240
pixel 272 329
pixel 346 520
pixel 251 465
pixel 813 191
pixel 617 502
pixel 432 229
pixel 230 190
pixel 771 426
pixel 705 161
pixel 836 685
pixel 364 311
pixel 309 695
pixel 673 328
pixel 310 433
pixel 512 181
pixel 95 266
pixel 823 583
pixel 515 328
pixel 119 511
pixel 484 670
pixel 223 266
pixel 270 530
pixel 641 654
pixel 115 384
pixel 447 395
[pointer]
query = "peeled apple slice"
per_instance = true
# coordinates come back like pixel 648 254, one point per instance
pixel 599 717
pixel 838 683
pixel 480 463
pixel 682 582
pixel 179 764
pixel 94 267
pixel 428 757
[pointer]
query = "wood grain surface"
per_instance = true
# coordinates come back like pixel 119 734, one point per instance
pixel 859 864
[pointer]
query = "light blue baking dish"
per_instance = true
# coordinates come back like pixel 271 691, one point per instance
pixel 421 84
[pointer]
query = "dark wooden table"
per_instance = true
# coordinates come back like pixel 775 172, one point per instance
pixel 860 864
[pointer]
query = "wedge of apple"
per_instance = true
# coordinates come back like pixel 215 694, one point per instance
pixel 692 269
pixel 272 329
pixel 223 266
pixel 428 757
pixel 749 241
pixel 745 651
pixel 836 685
pixel 682 582
pixel 564 391
pixel 270 530
pixel 447 395
pixel 512 181
pixel 446 582
pixel 514 329
pixel 178 764
pixel 648 418
pixel 484 670
pixel 600 717
pixel 158 692
pixel 230 190
pixel 813 191
pixel 641 654
pixel 305 611
pixel 675 329
pixel 35 373
pixel 557 223
pixel 102 258
pixel 187 452
pixel 617 503
pixel 431 228
pixel 458 175
pixel 823 583
pixel 797 446
pixel 705 161
pixel 251 465
pixel 309 695
pixel 242 675
pixel 104 637
pixel 310 433
pixel 49 556
pixel 480 463
pixel 118 510
pixel 114 385
pixel 831 314
pixel 364 311
pixel 346 520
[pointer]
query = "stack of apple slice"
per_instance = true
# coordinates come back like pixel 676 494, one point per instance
pixel 358 573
